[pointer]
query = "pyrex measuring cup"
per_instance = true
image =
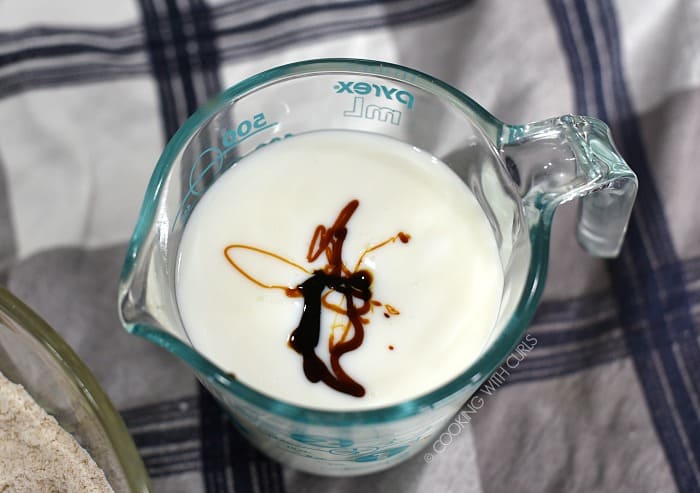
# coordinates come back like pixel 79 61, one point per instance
pixel 518 173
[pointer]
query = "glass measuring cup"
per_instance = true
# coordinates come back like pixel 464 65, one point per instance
pixel 518 173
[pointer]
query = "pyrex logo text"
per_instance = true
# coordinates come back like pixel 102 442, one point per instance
pixel 362 88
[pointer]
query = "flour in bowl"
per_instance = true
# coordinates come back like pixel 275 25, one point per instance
pixel 36 454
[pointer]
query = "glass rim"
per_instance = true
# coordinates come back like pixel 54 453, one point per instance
pixel 477 372
pixel 25 319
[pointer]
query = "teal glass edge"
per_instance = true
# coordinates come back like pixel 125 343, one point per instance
pixel 22 316
pixel 474 375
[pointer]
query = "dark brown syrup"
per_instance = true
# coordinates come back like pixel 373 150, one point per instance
pixel 355 288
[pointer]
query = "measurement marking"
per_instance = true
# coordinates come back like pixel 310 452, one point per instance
pixel 373 112
pixel 217 161
pixel 242 139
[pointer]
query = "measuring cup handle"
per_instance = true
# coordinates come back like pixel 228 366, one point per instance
pixel 570 157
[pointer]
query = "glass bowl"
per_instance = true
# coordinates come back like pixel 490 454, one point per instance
pixel 33 355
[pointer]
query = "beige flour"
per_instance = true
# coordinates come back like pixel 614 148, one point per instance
pixel 36 454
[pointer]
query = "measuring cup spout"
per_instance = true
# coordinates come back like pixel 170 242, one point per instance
pixel 571 157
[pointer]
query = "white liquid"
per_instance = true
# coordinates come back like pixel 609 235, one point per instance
pixel 446 281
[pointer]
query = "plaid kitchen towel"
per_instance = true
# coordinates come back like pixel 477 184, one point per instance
pixel 609 398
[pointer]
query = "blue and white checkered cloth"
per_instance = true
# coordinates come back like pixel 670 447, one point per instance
pixel 608 401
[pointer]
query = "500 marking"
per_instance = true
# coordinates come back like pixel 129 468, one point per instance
pixel 242 131
pixel 211 160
